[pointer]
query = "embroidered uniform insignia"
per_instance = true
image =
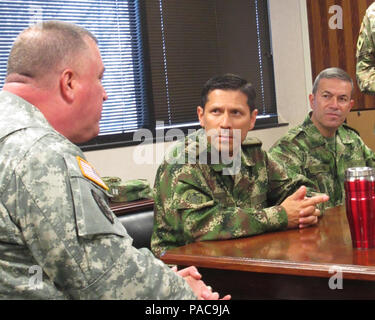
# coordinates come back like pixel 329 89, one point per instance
pixel 90 173
pixel 103 206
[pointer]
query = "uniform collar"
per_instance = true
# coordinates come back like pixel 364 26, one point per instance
pixel 316 137
pixel 200 135
pixel 23 114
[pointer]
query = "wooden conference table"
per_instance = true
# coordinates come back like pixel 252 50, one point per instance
pixel 294 264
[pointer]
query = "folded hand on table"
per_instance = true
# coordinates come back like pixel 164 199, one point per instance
pixel 202 291
pixel 302 211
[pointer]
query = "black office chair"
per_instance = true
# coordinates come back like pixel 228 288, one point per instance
pixel 139 226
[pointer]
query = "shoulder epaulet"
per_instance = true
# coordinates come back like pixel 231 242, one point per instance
pixel 252 141
pixel 346 126
pixel 292 133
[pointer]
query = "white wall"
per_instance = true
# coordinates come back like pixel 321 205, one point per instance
pixel 292 66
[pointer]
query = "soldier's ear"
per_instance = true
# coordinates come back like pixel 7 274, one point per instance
pixel 66 85
pixel 253 118
pixel 351 104
pixel 200 113
pixel 312 100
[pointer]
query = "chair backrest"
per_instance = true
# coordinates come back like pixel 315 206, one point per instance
pixel 139 226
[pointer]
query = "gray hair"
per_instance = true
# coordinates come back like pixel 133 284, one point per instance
pixel 332 73
pixel 45 46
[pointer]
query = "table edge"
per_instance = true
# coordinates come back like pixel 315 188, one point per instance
pixel 322 270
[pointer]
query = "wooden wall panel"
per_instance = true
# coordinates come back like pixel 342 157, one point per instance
pixel 363 122
pixel 337 47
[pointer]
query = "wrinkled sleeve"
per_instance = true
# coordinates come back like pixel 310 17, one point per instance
pixel 365 66
pixel 186 211
pixel 285 161
pixel 287 155
pixel 86 253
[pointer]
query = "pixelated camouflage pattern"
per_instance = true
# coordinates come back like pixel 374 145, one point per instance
pixel 196 202
pixel 130 190
pixel 303 151
pixel 49 217
pixel 365 67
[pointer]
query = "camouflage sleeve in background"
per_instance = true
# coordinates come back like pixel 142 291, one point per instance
pixel 130 190
pixel 365 67
pixel 283 184
pixel 291 157
pixel 292 154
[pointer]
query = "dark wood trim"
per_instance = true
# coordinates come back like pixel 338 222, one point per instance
pixel 337 47
pixel 122 208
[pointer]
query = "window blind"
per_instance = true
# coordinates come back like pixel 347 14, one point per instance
pixel 158 54
pixel 116 24
pixel 191 40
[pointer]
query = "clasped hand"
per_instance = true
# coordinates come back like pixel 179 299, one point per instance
pixel 201 290
pixel 302 211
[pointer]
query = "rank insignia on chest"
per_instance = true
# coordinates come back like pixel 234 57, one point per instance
pixel 90 173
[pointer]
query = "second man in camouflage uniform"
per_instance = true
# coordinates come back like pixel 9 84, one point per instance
pixel 197 195
pixel 323 147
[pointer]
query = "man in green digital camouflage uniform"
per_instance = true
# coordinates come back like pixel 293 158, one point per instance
pixel 323 146
pixel 208 188
pixel 365 68
pixel 58 237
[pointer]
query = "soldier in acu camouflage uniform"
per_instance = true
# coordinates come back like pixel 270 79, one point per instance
pixel 323 147
pixel 198 197
pixel 58 237
pixel 366 52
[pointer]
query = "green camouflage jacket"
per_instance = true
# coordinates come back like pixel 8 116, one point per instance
pixel 127 191
pixel 58 237
pixel 365 68
pixel 304 152
pixel 197 202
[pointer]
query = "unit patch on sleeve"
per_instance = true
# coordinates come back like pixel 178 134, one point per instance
pixel 103 206
pixel 90 173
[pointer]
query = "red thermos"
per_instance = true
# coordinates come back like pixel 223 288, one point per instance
pixel 360 205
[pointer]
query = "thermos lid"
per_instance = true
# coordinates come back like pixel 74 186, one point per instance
pixel 358 172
